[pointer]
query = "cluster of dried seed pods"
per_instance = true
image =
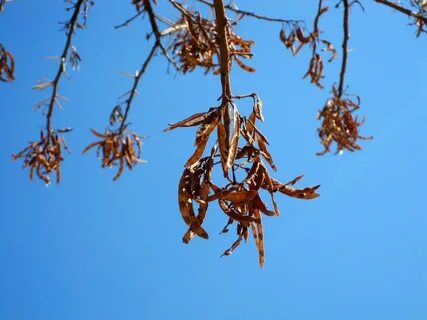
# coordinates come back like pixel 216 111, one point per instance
pixel 117 148
pixel 7 65
pixel 339 125
pixel 44 156
pixel 196 45
pixel 242 152
pixel 297 39
pixel 316 66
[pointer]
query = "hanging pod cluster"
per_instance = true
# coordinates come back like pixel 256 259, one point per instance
pixel 44 156
pixel 196 45
pixel 117 148
pixel 241 151
pixel 339 124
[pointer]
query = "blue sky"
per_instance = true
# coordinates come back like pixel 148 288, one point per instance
pixel 94 249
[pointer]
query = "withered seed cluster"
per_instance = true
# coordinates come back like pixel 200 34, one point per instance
pixel 196 45
pixel 7 65
pixel 241 150
pixel 44 157
pixel 117 148
pixel 339 125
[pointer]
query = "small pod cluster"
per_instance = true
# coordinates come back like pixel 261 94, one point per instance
pixel 196 45
pixel 44 157
pixel 339 125
pixel 296 39
pixel 117 148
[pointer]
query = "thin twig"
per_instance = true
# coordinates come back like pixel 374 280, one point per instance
pixel 243 96
pixel 133 91
pixel 316 19
pixel 250 14
pixel 71 27
pixel 316 32
pixel 156 31
pixel 124 24
pixel 180 8
pixel 344 48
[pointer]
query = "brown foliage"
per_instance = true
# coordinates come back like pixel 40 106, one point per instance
pixel 196 45
pixel 297 39
pixel 44 157
pixel 117 148
pixel 7 65
pixel 242 150
pixel 339 125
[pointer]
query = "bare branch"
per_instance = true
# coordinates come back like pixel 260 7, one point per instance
pixel 137 78
pixel 156 31
pixel 251 14
pixel 224 56
pixel 71 26
pixel 344 48
pixel 125 24
pixel 403 10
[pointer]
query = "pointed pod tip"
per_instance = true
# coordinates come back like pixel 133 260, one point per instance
pixel 204 236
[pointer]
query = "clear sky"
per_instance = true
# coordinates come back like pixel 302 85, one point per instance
pixel 92 249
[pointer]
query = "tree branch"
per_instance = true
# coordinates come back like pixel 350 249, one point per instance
pixel 71 27
pixel 250 14
pixel 124 24
pixel 344 48
pixel 403 10
pixel 224 51
pixel 156 31
pixel 133 91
